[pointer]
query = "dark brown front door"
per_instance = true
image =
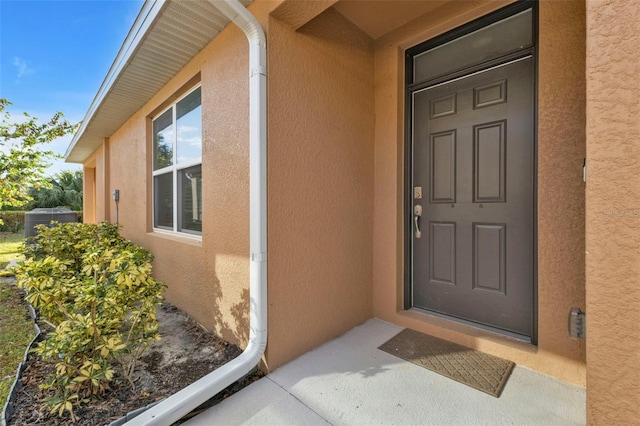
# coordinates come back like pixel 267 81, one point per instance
pixel 473 168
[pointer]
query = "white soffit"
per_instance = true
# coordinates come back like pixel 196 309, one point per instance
pixel 164 38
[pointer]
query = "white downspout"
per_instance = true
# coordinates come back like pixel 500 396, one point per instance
pixel 184 401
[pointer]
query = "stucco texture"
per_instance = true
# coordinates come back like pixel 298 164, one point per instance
pixel 321 112
pixel 613 212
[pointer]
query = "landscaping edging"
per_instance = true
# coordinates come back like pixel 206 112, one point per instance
pixel 8 408
pixel 131 414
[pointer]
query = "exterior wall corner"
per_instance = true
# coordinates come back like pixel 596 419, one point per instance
pixel 613 212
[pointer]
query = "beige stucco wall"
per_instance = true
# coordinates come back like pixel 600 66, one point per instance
pixel 613 212
pixel 561 149
pixel 561 189
pixel 89 193
pixel 96 186
pixel 321 112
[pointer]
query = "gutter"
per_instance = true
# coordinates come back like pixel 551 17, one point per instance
pixel 177 405
pixel 147 16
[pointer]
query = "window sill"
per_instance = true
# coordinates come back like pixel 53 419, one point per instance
pixel 195 240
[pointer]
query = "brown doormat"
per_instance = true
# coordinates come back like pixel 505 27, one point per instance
pixel 484 372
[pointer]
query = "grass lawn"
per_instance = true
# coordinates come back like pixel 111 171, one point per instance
pixel 16 329
pixel 10 247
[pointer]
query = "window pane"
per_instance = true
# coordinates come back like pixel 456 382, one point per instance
pixel 163 201
pixel 163 140
pixel 189 118
pixel 506 36
pixel 190 184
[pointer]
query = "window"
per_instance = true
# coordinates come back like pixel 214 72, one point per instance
pixel 177 166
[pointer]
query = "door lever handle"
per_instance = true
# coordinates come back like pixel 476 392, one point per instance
pixel 417 214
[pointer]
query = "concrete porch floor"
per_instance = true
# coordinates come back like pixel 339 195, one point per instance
pixel 348 381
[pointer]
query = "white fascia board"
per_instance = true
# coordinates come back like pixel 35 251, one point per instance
pixel 150 11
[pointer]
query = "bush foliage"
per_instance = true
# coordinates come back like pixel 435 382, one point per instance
pixel 11 221
pixel 96 289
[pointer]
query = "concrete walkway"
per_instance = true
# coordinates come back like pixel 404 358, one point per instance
pixel 348 381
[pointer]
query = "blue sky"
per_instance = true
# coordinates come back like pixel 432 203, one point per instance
pixel 55 54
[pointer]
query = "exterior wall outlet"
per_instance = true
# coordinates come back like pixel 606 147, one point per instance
pixel 577 324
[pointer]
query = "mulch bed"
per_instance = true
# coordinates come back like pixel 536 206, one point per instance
pixel 161 372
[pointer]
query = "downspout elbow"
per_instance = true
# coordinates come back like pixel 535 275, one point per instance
pixel 242 18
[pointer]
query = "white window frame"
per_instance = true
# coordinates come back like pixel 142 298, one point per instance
pixel 174 169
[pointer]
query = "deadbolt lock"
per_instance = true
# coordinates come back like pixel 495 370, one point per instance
pixel 417 192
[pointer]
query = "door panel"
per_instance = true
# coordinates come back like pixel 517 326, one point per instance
pixel 443 167
pixel 473 146
pixel 442 240
pixel 489 162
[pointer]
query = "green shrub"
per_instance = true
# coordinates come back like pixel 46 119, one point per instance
pixel 11 221
pixel 96 289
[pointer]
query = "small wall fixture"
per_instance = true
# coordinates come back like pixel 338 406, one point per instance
pixel 116 198
pixel 577 324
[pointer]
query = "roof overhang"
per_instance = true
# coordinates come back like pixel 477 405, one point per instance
pixel 165 36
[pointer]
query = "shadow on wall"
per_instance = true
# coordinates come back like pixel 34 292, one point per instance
pixel 239 331
pixel 205 290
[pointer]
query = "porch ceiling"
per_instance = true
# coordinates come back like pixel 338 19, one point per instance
pixel 165 36
pixel 377 18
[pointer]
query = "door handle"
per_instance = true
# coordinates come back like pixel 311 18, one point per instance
pixel 417 214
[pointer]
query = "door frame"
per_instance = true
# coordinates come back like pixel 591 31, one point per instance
pixel 410 87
